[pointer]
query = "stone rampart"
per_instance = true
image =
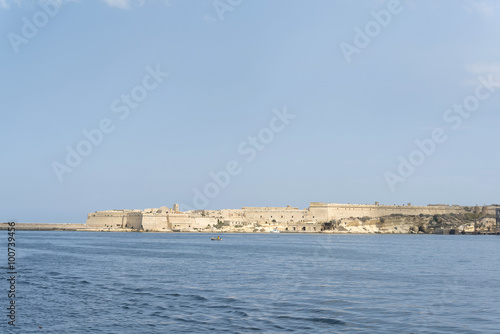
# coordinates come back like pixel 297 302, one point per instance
pixel 115 219
pixel 323 212
pixel 155 222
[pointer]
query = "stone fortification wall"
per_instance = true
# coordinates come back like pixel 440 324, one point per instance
pixel 185 222
pixel 162 220
pixel 165 222
pixel 114 219
pixel 133 220
pixel 155 222
pixel 302 227
pixel 259 215
pixel 278 215
pixel 323 212
pixel 268 208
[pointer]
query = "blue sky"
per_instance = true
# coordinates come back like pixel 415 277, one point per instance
pixel 232 67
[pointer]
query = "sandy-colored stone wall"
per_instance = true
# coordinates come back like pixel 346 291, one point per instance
pixel 184 222
pixel 155 222
pixel 133 220
pixel 114 219
pixel 304 227
pixel 259 215
pixel 278 215
pixel 323 212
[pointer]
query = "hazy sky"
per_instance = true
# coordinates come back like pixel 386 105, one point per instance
pixel 285 101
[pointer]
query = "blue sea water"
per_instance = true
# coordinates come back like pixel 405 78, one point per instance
pixel 80 282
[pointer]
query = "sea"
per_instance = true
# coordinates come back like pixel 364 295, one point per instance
pixel 128 283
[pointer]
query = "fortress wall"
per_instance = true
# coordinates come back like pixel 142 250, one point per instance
pixel 179 218
pixel 194 223
pixel 114 219
pixel 133 220
pixel 268 208
pixel 302 228
pixel 320 212
pixel 325 212
pixel 260 215
pixel 281 215
pixel 155 222
pixel 189 222
pixel 106 219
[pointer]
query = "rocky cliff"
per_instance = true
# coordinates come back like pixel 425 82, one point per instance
pixel 439 224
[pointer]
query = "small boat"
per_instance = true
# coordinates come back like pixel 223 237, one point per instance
pixel 216 239
pixel 275 230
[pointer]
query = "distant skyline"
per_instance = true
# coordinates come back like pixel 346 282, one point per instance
pixel 117 104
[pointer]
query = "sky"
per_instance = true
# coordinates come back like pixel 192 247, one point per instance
pixel 121 104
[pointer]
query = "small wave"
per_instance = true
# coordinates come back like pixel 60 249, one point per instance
pixel 176 295
pixel 190 321
pixel 171 295
pixel 198 297
pixel 159 315
pixel 254 329
pixel 237 312
pixel 328 321
pixel 143 294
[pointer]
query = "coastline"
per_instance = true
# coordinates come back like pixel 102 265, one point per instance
pixel 51 227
